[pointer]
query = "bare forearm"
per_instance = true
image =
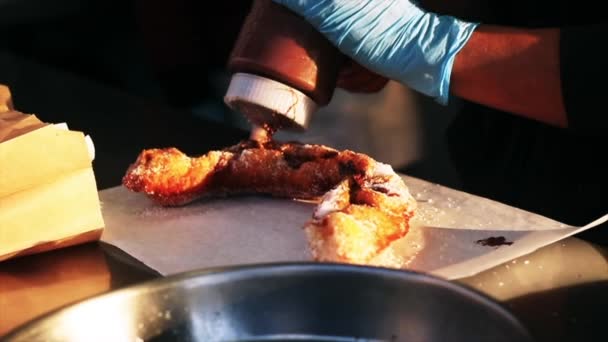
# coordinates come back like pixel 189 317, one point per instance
pixel 514 70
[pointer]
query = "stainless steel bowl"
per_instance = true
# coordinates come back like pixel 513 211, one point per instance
pixel 282 302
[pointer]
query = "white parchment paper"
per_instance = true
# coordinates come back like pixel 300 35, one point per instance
pixel 445 240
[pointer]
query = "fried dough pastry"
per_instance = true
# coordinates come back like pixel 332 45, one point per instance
pixel 363 204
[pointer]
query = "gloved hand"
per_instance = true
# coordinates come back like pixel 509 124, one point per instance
pixel 394 38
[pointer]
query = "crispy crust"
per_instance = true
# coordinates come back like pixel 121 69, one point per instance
pixel 363 204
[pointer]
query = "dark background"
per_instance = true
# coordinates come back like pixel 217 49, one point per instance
pixel 170 51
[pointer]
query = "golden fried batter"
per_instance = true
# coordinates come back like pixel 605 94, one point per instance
pixel 364 205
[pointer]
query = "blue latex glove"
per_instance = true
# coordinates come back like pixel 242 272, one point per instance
pixel 394 38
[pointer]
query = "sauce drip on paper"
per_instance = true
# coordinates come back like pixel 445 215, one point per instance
pixel 494 241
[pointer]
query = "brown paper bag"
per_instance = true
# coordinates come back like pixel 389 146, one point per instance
pixel 6 102
pixel 48 193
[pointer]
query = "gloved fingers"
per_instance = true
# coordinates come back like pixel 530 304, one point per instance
pixel 372 32
pixel 393 38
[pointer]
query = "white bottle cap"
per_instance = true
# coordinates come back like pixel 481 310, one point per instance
pixel 267 102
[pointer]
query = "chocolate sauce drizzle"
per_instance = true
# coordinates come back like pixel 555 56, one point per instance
pixel 494 241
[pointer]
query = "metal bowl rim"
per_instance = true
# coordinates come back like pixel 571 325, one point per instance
pixel 249 271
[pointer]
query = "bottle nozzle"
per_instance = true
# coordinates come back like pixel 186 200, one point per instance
pixel 268 103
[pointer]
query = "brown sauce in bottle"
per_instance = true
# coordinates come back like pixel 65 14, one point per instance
pixel 278 44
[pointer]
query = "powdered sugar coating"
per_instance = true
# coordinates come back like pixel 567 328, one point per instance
pixel 364 205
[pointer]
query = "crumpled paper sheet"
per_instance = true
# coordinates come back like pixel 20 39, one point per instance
pixel 27 187
pixel 445 239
